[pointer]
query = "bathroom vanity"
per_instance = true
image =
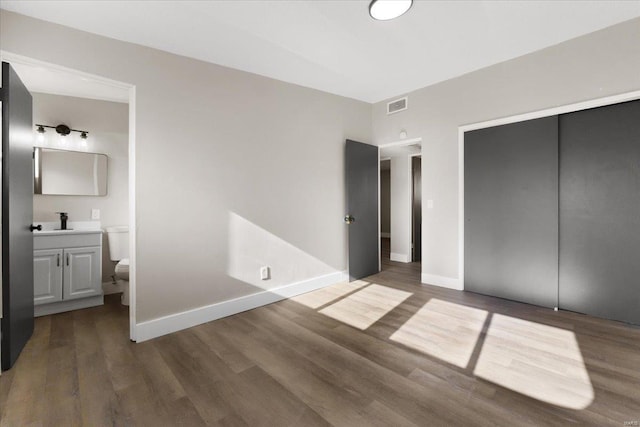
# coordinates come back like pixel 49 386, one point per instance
pixel 67 268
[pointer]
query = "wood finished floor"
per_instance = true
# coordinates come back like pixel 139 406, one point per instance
pixel 288 364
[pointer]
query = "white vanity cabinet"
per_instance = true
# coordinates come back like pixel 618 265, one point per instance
pixel 47 276
pixel 67 270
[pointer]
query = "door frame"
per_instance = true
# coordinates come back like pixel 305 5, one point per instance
pixel 401 143
pixel 536 114
pixel 131 88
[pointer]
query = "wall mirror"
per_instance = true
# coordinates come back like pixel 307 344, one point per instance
pixel 69 173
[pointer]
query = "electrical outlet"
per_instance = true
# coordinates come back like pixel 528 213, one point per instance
pixel 95 213
pixel 265 273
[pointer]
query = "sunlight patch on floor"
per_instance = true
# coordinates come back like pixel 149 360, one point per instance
pixel 316 299
pixel 367 306
pixel 539 361
pixel 444 330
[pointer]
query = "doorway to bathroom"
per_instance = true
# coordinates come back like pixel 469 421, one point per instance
pixel 400 232
pixel 84 178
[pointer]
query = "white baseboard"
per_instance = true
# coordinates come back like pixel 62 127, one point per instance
pixel 187 319
pixel 399 257
pixel 385 235
pixel 442 281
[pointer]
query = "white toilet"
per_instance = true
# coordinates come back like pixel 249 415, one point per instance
pixel 119 251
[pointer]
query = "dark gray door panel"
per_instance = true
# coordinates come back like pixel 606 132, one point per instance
pixel 600 212
pixel 17 215
pixel 511 211
pixel 416 189
pixel 362 205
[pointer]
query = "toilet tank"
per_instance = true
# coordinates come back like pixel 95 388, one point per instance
pixel 118 242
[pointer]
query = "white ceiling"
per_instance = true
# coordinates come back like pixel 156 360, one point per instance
pixel 44 79
pixel 335 46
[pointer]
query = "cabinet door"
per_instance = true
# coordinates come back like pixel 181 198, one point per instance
pixel 82 273
pixel 47 276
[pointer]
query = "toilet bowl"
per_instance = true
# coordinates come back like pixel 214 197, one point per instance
pixel 122 273
pixel 119 251
pixel 122 269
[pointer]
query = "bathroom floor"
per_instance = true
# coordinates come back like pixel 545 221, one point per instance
pixel 356 353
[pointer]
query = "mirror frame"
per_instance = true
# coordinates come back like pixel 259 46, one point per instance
pixel 37 172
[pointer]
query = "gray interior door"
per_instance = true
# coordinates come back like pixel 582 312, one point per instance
pixel 362 208
pixel 17 214
pixel 511 211
pixel 600 212
pixel 416 202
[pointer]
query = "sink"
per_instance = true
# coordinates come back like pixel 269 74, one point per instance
pixel 75 227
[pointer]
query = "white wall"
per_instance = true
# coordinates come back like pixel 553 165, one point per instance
pixel 596 65
pixel 108 126
pixel 401 208
pixel 216 149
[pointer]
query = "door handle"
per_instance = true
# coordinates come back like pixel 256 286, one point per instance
pixel 349 219
pixel 58 260
pixel 67 260
pixel 35 227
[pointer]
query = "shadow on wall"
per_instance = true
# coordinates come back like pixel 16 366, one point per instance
pixel 251 247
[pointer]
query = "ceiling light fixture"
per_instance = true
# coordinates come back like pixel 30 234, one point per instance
pixel 384 10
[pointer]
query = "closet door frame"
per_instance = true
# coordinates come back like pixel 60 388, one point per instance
pixel 569 108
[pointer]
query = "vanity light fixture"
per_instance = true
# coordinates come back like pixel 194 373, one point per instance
pixel 62 130
pixel 384 10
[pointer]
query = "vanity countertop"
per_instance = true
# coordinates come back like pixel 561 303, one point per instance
pixel 64 232
pixel 74 227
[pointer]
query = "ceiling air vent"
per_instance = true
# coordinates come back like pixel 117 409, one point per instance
pixel 397 105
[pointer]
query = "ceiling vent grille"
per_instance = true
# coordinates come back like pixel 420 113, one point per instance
pixel 398 105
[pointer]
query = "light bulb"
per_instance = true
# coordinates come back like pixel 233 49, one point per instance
pixel 83 140
pixel 40 138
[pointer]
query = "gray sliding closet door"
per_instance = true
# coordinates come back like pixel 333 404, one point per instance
pixel 511 211
pixel 600 212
